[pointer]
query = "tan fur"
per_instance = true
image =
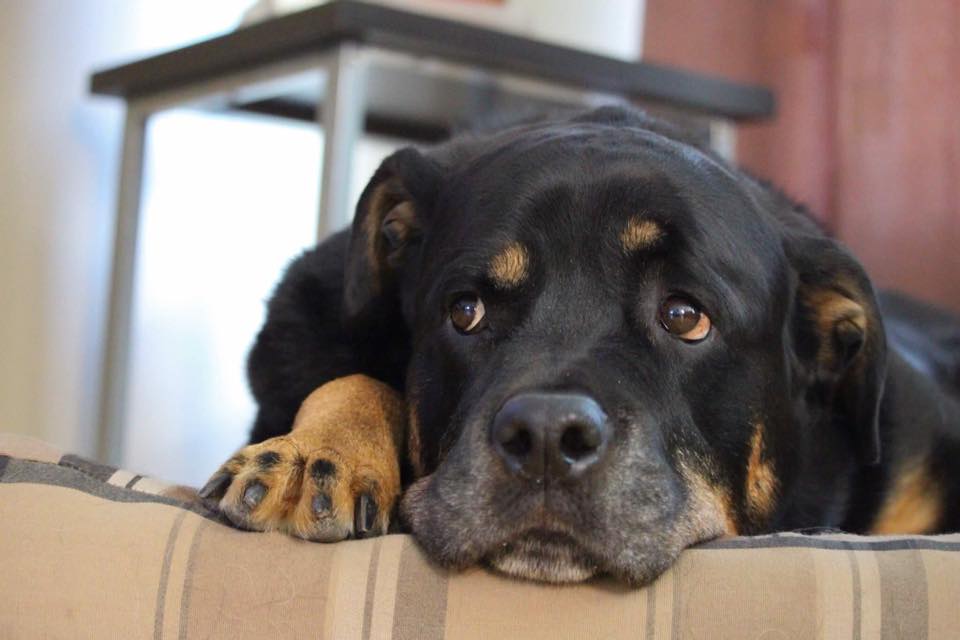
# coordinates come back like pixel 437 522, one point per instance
pixel 640 234
pixel 413 439
pixel 710 510
pixel 914 504
pixel 509 268
pixel 761 486
pixel 725 504
pixel 385 197
pixel 379 203
pixel 283 480
pixel 404 218
pixel 831 307
pixel 356 423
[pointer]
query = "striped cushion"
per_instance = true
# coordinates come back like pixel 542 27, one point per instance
pixel 91 551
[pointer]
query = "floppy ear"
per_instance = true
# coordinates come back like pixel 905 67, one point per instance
pixel 389 220
pixel 840 336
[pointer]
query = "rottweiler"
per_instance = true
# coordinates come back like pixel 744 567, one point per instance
pixel 577 346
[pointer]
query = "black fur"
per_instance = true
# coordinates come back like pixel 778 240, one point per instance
pixel 838 431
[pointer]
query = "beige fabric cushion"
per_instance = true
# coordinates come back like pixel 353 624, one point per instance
pixel 87 551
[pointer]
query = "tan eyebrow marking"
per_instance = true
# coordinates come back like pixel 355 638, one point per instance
pixel 508 268
pixel 640 233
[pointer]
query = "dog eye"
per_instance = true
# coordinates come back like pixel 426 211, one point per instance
pixel 467 313
pixel 684 319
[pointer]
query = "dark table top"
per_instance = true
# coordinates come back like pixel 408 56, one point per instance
pixel 320 28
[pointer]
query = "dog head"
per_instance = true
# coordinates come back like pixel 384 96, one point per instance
pixel 621 346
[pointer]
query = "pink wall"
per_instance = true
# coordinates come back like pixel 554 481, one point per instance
pixel 867 134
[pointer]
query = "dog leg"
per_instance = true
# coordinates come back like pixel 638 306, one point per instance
pixel 336 475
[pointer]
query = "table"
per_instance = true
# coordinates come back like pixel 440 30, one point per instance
pixel 355 67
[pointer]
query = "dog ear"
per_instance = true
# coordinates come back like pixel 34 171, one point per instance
pixel 390 217
pixel 840 336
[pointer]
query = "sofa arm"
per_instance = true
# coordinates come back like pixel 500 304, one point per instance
pixel 91 551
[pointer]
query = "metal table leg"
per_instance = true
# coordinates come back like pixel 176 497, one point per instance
pixel 214 93
pixel 114 370
pixel 341 114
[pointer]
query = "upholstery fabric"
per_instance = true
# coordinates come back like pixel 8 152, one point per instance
pixel 89 551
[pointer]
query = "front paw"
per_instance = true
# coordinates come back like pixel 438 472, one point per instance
pixel 335 476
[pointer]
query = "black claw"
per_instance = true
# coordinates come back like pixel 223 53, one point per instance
pixel 321 503
pixel 216 486
pixel 253 494
pixel 364 515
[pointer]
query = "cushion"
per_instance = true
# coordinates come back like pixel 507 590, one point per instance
pixel 88 550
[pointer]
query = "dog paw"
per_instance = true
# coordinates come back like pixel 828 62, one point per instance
pixel 335 476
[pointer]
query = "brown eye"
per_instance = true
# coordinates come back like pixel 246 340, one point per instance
pixel 684 319
pixel 466 313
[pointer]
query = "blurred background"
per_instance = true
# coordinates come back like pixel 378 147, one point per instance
pixel 866 133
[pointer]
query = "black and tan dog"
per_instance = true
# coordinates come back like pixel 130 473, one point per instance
pixel 577 347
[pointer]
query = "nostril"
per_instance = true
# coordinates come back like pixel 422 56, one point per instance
pixel 516 441
pixel 579 441
pixel 555 434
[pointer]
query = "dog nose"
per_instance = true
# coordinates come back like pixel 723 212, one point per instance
pixel 556 435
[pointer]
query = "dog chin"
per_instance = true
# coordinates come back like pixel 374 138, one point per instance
pixel 544 556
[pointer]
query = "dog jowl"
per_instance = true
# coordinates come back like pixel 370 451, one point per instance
pixel 575 348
